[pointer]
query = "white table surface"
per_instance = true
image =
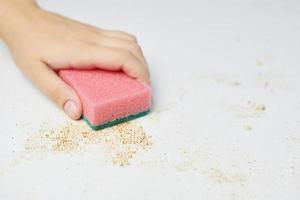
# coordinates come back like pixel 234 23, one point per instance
pixel 214 65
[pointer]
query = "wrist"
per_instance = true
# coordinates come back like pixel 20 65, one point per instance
pixel 7 7
pixel 12 15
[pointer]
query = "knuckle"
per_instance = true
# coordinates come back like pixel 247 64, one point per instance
pixel 133 38
pixel 135 48
pixel 129 36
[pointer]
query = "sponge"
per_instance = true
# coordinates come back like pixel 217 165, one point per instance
pixel 108 97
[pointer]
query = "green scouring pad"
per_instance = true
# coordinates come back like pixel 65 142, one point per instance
pixel 116 121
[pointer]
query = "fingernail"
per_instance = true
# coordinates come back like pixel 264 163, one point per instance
pixel 70 109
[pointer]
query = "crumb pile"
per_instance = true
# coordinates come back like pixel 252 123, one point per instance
pixel 120 142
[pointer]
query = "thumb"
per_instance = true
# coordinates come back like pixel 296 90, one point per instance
pixel 56 89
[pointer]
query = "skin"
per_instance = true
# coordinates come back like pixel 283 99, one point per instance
pixel 42 42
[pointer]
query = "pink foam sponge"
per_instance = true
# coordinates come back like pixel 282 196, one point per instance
pixel 107 97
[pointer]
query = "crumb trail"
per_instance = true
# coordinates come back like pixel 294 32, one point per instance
pixel 121 142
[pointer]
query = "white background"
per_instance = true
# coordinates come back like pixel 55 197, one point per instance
pixel 208 60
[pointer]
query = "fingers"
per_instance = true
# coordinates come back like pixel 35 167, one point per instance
pixel 128 48
pixel 122 44
pixel 116 50
pixel 88 56
pixel 111 59
pixel 56 89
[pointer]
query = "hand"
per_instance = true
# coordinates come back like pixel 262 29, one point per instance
pixel 42 43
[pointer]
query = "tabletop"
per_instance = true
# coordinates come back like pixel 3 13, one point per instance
pixel 225 122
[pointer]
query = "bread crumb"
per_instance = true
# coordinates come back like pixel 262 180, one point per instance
pixel 121 142
pixel 260 108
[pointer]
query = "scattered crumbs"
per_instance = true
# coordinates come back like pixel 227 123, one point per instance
pixel 121 142
pixel 220 177
pixel 259 63
pixel 250 110
pixel 247 127
pixel 131 138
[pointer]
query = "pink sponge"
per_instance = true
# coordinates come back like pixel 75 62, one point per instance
pixel 108 97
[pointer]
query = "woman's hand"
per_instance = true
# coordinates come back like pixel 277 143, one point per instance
pixel 42 43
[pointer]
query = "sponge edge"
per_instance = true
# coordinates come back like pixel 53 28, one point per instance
pixel 116 121
pixel 108 98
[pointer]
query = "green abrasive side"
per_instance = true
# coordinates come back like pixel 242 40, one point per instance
pixel 116 121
